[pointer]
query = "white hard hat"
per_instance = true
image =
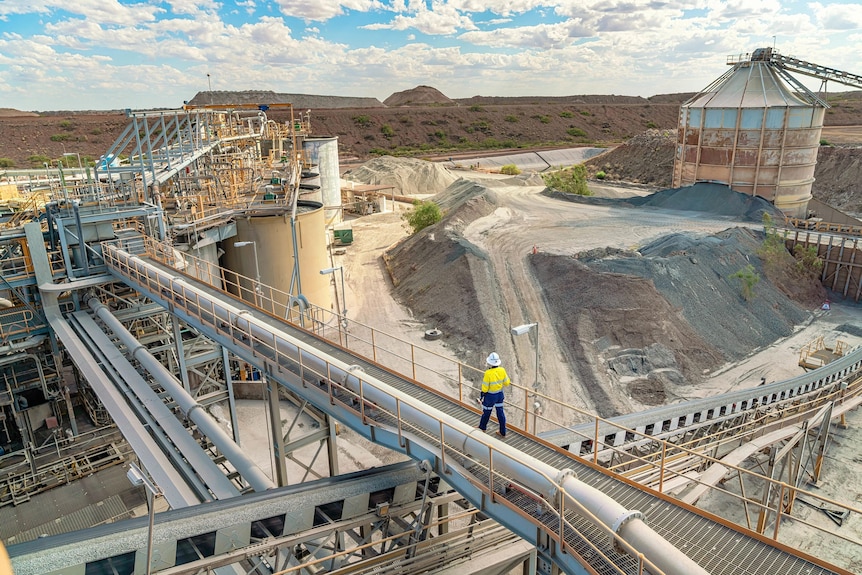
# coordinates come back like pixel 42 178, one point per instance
pixel 493 359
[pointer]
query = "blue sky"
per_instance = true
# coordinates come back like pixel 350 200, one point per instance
pixel 115 54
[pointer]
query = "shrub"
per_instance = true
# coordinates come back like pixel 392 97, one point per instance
pixel 38 160
pixel 67 125
pixel 824 142
pixel 651 125
pixel 510 170
pixel 387 130
pixel 7 163
pixel 59 137
pixel 545 119
pixel 808 264
pixel 772 251
pixel 576 132
pixel 511 118
pixel 476 108
pixel 571 181
pixel 748 279
pixel 422 215
pixel 600 175
pixel 362 120
pixel 566 114
pixel 586 113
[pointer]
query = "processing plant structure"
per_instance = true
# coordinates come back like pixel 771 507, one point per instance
pixel 193 264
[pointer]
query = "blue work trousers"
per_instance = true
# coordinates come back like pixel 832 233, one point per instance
pixel 489 402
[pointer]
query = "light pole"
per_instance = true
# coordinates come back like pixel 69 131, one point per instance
pixel 70 154
pixel 521 330
pixel 257 289
pixel 137 477
pixel 342 311
pixel 210 85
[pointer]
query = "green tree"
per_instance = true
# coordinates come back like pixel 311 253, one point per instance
pixel 748 278
pixel 387 130
pixel 422 215
pixel 510 170
pixel 571 180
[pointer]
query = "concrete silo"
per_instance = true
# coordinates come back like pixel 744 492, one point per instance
pixel 751 131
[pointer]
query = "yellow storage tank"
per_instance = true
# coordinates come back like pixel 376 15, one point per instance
pixel 273 248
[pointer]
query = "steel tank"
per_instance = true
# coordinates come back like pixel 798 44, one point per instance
pixel 750 131
pixel 273 247
pixel 324 153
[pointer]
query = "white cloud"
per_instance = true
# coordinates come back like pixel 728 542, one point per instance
pixel 322 10
pixel 838 16
pixel 543 36
pixel 440 19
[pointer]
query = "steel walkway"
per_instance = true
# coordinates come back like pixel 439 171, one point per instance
pixel 285 353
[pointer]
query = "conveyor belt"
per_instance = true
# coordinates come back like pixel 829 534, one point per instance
pixel 716 547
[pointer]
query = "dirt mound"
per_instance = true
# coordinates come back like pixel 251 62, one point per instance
pixel 409 176
pixel 658 320
pixel 716 199
pixel 439 276
pixel 300 101
pixel 837 176
pixel 646 158
pixel 13 113
pixel 418 96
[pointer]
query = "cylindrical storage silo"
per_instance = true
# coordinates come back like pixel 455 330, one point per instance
pixel 750 131
pixel 274 248
pixel 324 153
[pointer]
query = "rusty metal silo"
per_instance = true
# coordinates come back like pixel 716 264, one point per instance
pixel 751 131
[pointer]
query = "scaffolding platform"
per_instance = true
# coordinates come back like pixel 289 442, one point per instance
pixel 816 354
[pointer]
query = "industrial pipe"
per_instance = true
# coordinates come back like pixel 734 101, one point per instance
pixel 193 410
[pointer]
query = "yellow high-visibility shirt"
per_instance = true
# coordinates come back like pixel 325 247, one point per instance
pixel 495 379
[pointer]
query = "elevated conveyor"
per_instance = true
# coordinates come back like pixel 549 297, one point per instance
pixel 525 483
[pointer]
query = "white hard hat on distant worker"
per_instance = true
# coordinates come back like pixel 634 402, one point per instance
pixel 494 359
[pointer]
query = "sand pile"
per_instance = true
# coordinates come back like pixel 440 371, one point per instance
pixel 409 176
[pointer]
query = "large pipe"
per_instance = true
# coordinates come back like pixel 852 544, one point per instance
pixel 193 410
pixel 523 468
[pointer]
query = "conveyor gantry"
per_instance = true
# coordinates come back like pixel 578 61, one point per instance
pixel 824 73
pixel 504 480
